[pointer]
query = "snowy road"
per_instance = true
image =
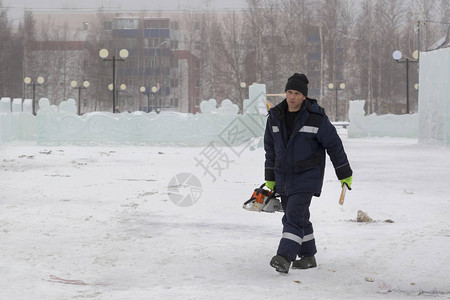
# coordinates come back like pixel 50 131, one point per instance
pixel 102 215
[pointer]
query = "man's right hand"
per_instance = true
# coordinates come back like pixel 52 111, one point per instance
pixel 270 185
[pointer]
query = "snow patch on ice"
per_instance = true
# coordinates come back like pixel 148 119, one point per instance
pixel 383 125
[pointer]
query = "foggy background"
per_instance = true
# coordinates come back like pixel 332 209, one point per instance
pixel 263 41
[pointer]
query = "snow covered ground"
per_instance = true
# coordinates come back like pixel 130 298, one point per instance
pixel 102 215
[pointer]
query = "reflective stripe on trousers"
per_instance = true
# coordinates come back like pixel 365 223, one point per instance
pixel 297 239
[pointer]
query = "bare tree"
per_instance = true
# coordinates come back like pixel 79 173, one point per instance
pixel 189 40
pixel 297 19
pixel 212 68
pixel 98 71
pixel 390 17
pixel 29 36
pixel 6 37
pixel 365 32
pixel 425 10
pixel 234 54
pixel 273 75
pixel 254 36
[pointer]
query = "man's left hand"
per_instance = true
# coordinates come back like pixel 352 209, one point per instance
pixel 347 181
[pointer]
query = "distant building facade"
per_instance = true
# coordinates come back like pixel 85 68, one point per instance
pixel 156 75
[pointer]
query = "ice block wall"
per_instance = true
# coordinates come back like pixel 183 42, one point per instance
pixel 434 97
pixel 218 122
pixel 384 125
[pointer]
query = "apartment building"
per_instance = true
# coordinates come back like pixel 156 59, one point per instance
pixel 156 75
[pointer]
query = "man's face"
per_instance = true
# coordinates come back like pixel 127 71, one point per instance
pixel 294 100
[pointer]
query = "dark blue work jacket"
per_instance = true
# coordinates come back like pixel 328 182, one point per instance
pixel 297 162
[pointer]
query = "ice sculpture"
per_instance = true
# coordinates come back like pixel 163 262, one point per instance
pixel 5 105
pixel 28 106
pixel 257 102
pixel 17 105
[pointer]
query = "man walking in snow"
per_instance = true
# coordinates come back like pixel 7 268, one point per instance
pixel 297 134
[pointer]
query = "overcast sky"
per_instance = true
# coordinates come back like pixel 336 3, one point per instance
pixel 16 7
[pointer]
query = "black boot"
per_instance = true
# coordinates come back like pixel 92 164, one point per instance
pixel 280 263
pixel 304 263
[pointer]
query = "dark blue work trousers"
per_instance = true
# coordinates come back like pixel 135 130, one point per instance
pixel 298 237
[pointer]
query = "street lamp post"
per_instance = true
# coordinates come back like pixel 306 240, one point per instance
pixel 397 55
pixel 144 91
pixel 123 55
pixel 157 72
pixel 243 85
pixel 40 80
pixel 155 90
pixel 84 86
pixel 122 87
pixel 341 87
pixel 242 93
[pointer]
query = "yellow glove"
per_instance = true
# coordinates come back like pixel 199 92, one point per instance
pixel 347 181
pixel 270 185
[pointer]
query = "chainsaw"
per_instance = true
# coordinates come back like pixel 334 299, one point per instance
pixel 263 200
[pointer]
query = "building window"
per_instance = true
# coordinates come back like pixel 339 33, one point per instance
pixel 151 43
pixel 130 42
pixel 150 63
pixel 314 38
pixel 158 43
pixel 174 83
pixel 314 48
pixel 126 24
pixel 314 56
pixel 156 23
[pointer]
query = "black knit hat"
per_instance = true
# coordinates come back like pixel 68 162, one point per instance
pixel 298 82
